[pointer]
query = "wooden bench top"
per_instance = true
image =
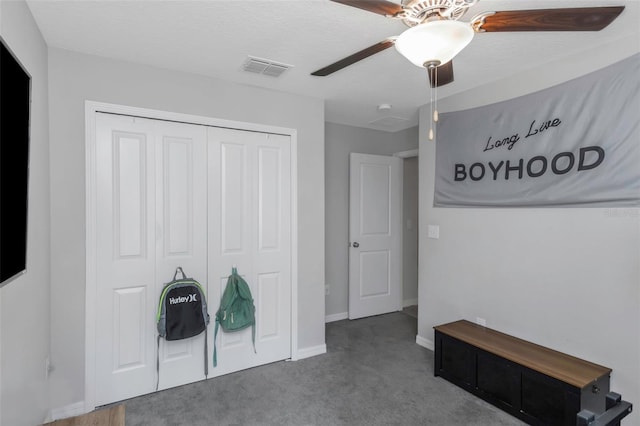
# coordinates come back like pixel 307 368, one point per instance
pixel 558 365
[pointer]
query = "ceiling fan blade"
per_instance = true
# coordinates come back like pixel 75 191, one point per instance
pixel 352 59
pixel 443 76
pixel 381 7
pixel 570 19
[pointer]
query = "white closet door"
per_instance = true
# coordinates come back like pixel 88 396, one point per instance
pixel 181 223
pixel 168 195
pixel 250 227
pixel 151 217
pixel 125 252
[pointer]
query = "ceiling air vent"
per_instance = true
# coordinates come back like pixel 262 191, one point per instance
pixel 265 66
pixel 389 123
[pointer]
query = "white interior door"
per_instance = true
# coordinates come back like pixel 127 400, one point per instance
pixel 375 226
pixel 250 228
pixel 151 216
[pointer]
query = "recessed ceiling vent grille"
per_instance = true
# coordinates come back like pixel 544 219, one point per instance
pixel 389 123
pixel 265 66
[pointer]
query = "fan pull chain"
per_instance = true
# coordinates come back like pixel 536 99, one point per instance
pixel 433 98
pixel 435 107
pixel 429 69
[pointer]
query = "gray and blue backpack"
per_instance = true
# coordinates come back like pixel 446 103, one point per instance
pixel 182 313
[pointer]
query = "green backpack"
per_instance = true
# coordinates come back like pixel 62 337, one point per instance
pixel 236 311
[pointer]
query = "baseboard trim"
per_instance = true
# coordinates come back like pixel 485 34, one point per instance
pixel 71 410
pixel 409 302
pixel 309 352
pixel 425 343
pixel 336 317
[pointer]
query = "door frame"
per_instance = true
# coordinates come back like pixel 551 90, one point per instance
pixel 91 110
pixel 405 155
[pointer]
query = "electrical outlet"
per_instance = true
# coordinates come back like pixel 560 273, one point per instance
pixel 327 289
pixel 481 321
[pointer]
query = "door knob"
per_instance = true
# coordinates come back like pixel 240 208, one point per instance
pixel 356 244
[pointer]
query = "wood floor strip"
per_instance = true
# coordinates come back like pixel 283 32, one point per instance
pixel 113 416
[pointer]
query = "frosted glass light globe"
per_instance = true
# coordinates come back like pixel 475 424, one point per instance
pixel 434 41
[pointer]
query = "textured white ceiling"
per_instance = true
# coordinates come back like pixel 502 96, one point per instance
pixel 215 37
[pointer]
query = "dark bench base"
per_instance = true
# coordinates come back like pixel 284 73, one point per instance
pixel 535 384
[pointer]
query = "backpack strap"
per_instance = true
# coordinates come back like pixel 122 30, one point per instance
pixel 158 364
pixel 179 269
pixel 253 336
pixel 244 292
pixel 206 352
pixel 205 315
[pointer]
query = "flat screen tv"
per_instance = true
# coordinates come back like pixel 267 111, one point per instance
pixel 15 93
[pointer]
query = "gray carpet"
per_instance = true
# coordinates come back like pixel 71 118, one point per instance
pixel 372 374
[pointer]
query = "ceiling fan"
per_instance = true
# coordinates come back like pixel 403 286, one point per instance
pixel 436 35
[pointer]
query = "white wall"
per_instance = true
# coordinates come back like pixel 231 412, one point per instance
pixel 566 278
pixel 75 78
pixel 24 314
pixel 340 141
pixel 1 322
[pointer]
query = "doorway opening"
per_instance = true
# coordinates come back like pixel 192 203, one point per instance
pixel 410 233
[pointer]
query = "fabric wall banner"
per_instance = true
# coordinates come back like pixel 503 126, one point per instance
pixel 575 144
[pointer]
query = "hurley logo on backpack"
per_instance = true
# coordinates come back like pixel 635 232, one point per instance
pixel 236 311
pixel 182 313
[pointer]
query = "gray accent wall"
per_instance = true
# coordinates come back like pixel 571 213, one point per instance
pixel 341 140
pixel 24 305
pixel 75 78
pixel 566 278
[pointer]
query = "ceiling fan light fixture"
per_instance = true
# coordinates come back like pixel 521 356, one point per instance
pixel 434 41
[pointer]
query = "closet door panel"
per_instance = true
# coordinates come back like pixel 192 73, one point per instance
pixel 269 199
pixel 273 245
pixel 233 198
pixel 129 188
pixel 269 299
pixel 151 218
pixel 249 173
pixel 181 223
pixel 179 196
pixel 125 258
